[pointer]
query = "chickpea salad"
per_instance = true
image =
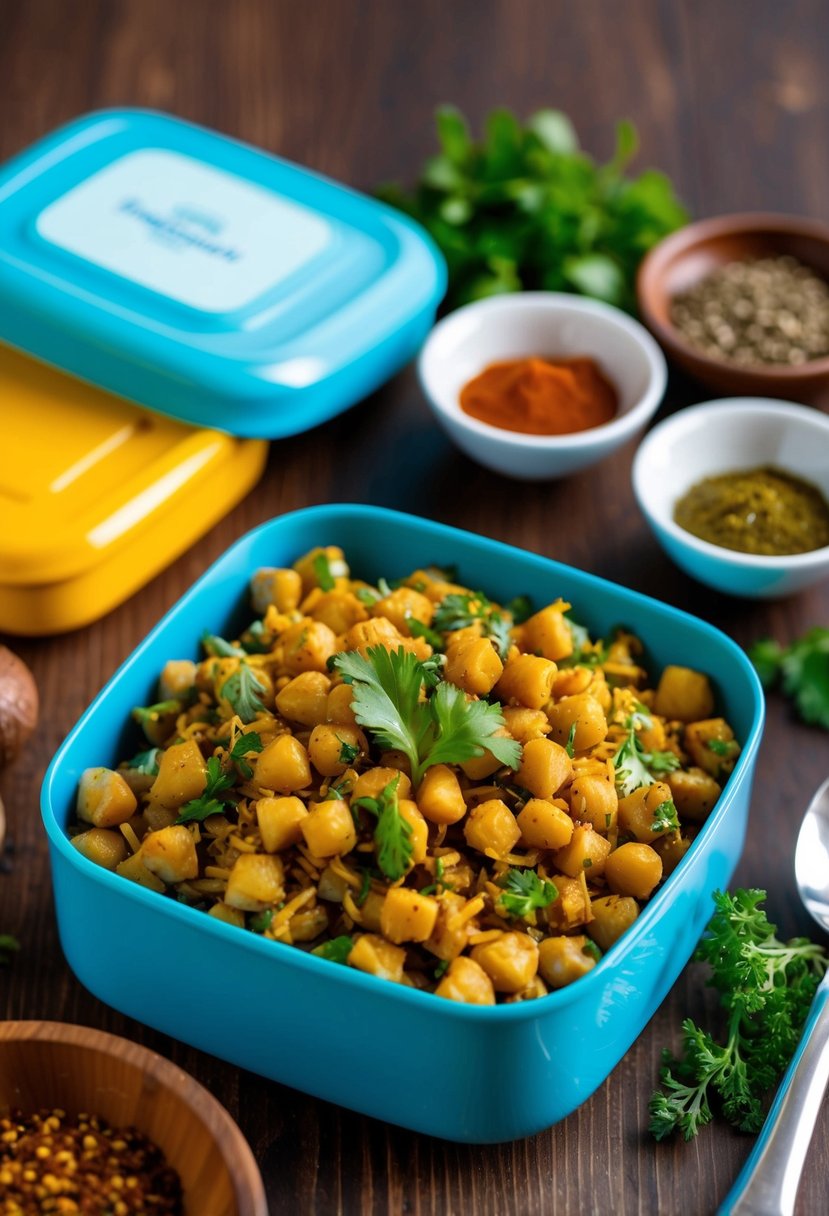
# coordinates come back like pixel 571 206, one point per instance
pixel 470 798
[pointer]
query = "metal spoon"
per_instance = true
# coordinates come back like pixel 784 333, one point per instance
pixel 767 1184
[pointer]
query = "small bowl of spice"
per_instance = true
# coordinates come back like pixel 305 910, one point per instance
pixel 540 384
pixel 742 303
pixel 93 1123
pixel 737 493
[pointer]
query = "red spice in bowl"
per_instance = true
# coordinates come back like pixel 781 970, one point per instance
pixel 538 396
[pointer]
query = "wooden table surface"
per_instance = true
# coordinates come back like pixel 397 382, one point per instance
pixel 732 101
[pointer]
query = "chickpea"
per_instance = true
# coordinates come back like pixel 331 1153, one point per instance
pixel 585 713
pixel 633 869
pixel 466 981
pixel 510 961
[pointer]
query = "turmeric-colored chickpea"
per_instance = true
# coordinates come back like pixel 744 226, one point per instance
pixel 642 814
pixel 684 695
pixel 338 708
pixel 544 768
pixel 612 916
pixel 491 828
pixel 527 680
pixel 587 851
pixel 510 961
pixel 439 795
pixel 633 869
pixel 473 664
pixel 304 699
pixel 593 799
pixel 548 634
pixel 339 610
pixel 419 839
pixel 694 792
pixel 330 748
pixel 585 713
pixel 403 605
pixel 307 646
pixel 525 724
pixel 564 959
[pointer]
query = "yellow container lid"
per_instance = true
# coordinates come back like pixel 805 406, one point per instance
pixel 98 495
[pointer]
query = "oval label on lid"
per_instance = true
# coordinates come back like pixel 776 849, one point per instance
pixel 197 234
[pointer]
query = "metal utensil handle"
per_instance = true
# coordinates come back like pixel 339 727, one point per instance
pixel 767 1184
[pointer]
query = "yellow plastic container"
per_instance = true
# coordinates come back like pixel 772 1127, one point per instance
pixel 97 495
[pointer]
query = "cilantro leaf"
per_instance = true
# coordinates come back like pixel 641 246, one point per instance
pixel 634 766
pixel 524 891
pixel 322 571
pixel 348 751
pixel 336 950
pixel 211 799
pixel 803 672
pixel 146 762
pixel 665 817
pixel 219 648
pixel 766 988
pixel 419 630
pixel 393 834
pixel 244 745
pixel 243 690
pixel 462 609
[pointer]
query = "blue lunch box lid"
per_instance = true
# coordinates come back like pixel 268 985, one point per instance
pixel 205 278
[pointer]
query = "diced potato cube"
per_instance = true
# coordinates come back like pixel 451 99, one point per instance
pixel 472 663
pixel 304 699
pixel 403 605
pixel 543 825
pixel 694 793
pixel 449 937
pixel 307 646
pixel 544 768
pixel 525 724
pixel 328 828
pixel 135 870
pixel 564 959
pixel 491 825
pixel 684 695
pixel 373 781
pixel 339 610
pixel 712 746
pixel 466 981
pixel 633 869
pixel 177 678
pixel 282 588
pixel 104 798
pixel 283 766
pixel 171 854
pixel 510 961
pixel 408 916
pixel 587 851
pixel 105 848
pixel 548 634
pixel 228 915
pixel 182 775
pixel 612 916
pixel 527 680
pixel 593 800
pixel 572 907
pixel 642 813
pixel 439 795
pixel 279 822
pixel 256 881
pixel 376 956
pixel 307 567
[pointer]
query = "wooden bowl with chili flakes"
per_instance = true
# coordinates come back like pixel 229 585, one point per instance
pixel 69 1070
pixel 680 264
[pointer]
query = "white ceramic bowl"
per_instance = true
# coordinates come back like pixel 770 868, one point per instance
pixel 546 324
pixel 720 437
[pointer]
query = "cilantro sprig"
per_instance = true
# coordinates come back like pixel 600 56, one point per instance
pixel 524 891
pixel 525 208
pixel 393 833
pixel 801 670
pixel 243 690
pixel 244 745
pixel 441 728
pixel 634 766
pixel 766 987
pixel 214 795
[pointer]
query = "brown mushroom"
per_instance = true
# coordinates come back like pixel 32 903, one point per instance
pixel 18 705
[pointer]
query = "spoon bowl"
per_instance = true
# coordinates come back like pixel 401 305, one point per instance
pixel 811 859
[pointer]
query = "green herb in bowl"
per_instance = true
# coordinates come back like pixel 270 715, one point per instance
pixel 526 209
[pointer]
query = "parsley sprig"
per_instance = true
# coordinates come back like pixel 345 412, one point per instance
pixel 211 800
pixel 766 987
pixel 634 766
pixel 802 671
pixel 441 728
pixel 393 833
pixel 524 891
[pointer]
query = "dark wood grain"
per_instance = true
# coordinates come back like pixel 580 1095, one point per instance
pixel 732 100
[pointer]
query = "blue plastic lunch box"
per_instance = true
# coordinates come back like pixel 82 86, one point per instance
pixel 467 1073
pixel 205 278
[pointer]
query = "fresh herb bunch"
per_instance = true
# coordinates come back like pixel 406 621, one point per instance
pixel 802 670
pixel 526 209
pixel 442 727
pixel 766 987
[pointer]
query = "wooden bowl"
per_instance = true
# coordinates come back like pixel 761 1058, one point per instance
pixel 48 1064
pixel 685 257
